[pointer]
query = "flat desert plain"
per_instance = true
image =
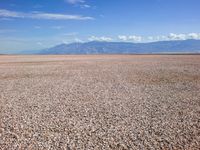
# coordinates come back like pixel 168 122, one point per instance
pixel 100 102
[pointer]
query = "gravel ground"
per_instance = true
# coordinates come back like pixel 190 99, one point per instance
pixel 100 102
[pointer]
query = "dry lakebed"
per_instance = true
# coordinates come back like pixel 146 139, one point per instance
pixel 92 102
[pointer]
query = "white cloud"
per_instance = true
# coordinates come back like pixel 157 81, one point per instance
pixel 135 38
pixel 13 14
pixel 123 37
pixel 160 38
pixel 80 3
pixel 41 15
pixel 194 35
pixel 75 1
pixel 78 40
pixel 150 38
pixel 103 38
pixel 85 6
pixel 58 16
pixel 131 38
pixel 173 36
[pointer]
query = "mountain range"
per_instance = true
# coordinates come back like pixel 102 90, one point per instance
pixel 97 47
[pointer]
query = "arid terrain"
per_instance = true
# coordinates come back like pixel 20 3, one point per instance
pixel 100 102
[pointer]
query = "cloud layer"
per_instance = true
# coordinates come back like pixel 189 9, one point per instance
pixel 103 38
pixel 41 15
pixel 130 38
pixel 173 36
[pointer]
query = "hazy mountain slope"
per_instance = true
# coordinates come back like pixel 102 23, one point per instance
pixel 123 48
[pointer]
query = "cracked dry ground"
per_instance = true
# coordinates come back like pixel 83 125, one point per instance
pixel 100 102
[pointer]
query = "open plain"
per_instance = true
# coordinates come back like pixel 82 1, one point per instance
pixel 100 102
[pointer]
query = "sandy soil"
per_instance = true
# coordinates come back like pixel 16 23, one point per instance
pixel 100 102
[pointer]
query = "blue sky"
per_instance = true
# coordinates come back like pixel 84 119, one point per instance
pixel 38 24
